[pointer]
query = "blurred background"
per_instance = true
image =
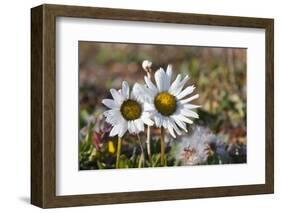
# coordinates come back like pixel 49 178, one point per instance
pixel 219 75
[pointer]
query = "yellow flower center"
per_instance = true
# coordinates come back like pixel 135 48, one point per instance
pixel 165 103
pixel 131 110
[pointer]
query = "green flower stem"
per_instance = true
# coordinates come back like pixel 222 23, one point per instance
pixel 142 159
pixel 148 143
pixel 162 138
pixel 118 152
pixel 148 136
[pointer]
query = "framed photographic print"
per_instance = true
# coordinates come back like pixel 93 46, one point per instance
pixel 136 106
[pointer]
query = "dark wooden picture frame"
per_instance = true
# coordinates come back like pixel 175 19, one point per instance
pixel 43 105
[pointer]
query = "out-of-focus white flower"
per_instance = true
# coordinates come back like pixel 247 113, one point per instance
pixel 126 111
pixel 168 102
pixel 146 65
pixel 193 148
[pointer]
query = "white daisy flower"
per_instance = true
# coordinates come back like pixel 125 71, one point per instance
pixel 126 111
pixel 168 102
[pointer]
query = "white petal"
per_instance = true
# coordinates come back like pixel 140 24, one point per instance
pixel 133 127
pixel 169 73
pixel 147 120
pixel 175 83
pixel 160 79
pixel 118 98
pixel 185 92
pixel 165 123
pixel 191 106
pixel 171 121
pixel 150 84
pixel 139 125
pixel 189 113
pixel 123 129
pixel 185 119
pixel 142 93
pixel 171 130
pixel 180 86
pixel 146 114
pixel 180 123
pixel 189 99
pixel 113 116
pixel 110 112
pixel 148 95
pixel 166 81
pixel 110 103
pixel 157 121
pixel 137 91
pixel 148 107
pixel 161 119
pixel 125 89
pixel 114 131
pixel 130 127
